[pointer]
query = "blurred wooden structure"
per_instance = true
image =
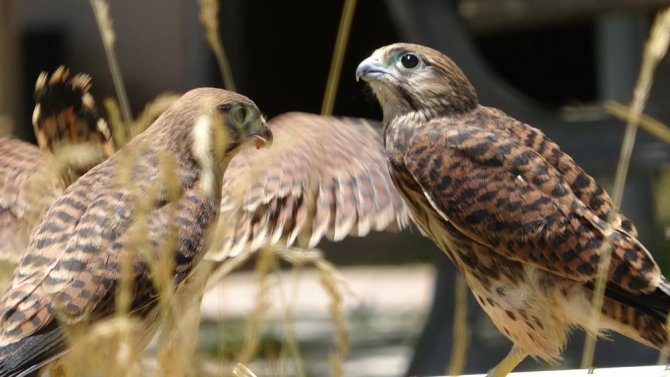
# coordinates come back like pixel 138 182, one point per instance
pixel 9 101
pixel 489 16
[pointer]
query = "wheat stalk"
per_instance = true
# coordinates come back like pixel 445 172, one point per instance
pixel 104 21
pixel 209 12
pixel 338 56
pixel 655 49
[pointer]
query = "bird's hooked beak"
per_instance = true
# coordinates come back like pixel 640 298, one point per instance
pixel 370 69
pixel 262 137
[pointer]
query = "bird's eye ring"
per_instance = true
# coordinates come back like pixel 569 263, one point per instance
pixel 237 114
pixel 409 60
pixel 240 116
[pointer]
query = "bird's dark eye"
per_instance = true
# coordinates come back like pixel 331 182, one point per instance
pixel 224 108
pixel 409 60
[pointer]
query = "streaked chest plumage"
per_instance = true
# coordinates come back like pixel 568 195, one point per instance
pixel 528 305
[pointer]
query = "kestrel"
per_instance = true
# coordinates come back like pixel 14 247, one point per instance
pixel 72 138
pixel 523 222
pixel 324 176
pixel 71 271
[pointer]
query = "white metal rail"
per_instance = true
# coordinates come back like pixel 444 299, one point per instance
pixel 644 371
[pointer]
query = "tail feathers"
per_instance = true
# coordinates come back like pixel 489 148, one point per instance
pixel 642 317
pixel 655 304
pixel 27 356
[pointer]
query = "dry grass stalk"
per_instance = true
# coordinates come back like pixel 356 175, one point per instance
pixel 227 267
pixel 209 13
pixel 162 265
pixel 290 345
pixel 655 49
pixel 119 134
pixel 106 348
pixel 264 265
pixel 298 258
pixel 338 56
pixel 124 178
pixel 74 156
pixel 333 283
pixel 177 342
pixel 461 333
pixel 647 123
pixel 152 110
pixel 328 275
pixel 101 12
pixel 242 371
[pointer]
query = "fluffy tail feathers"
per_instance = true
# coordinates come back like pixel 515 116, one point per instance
pixel 27 356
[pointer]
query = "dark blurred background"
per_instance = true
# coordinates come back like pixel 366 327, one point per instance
pixel 549 63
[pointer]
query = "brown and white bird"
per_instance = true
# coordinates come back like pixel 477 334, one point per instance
pixel 523 222
pixel 71 271
pixel 324 176
pixel 72 138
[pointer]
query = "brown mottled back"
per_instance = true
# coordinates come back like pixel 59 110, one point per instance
pixel 71 269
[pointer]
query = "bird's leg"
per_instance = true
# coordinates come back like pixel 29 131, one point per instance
pixel 513 358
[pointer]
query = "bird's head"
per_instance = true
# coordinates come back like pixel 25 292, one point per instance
pixel 214 121
pixel 210 125
pixel 413 78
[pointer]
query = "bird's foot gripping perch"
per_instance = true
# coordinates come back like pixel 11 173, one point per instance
pixel 504 367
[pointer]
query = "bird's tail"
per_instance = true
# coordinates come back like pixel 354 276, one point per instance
pixel 66 111
pixel 25 358
pixel 642 317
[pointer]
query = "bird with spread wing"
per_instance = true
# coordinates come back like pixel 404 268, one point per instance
pixel 324 176
pixel 71 271
pixel 523 222
pixel 72 137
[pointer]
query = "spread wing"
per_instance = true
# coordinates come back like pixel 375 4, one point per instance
pixel 73 261
pixel 323 176
pixel 26 191
pixel 502 193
